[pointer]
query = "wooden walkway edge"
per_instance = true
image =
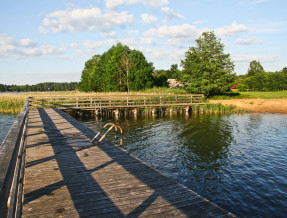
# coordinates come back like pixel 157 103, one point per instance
pixel 67 176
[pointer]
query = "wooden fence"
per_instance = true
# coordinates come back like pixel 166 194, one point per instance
pixel 116 101
pixel 12 157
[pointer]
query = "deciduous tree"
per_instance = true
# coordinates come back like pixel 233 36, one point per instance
pixel 206 68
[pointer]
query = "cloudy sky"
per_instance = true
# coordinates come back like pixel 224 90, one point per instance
pixel 50 40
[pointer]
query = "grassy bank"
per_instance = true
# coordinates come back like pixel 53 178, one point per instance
pixel 12 104
pixel 251 95
pixel 215 109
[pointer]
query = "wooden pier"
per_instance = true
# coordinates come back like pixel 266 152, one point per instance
pixel 121 104
pixel 68 176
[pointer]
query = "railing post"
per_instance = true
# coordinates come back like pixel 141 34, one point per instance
pixel 160 100
pixel 191 99
pixel 127 101
pixel 77 102
pixel 144 100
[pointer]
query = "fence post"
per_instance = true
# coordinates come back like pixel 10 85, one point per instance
pixel 77 102
pixel 191 99
pixel 127 101
pixel 144 100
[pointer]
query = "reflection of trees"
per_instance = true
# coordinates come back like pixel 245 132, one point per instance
pixel 206 141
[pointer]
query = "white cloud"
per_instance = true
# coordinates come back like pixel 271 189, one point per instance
pixel 24 48
pixel 149 41
pixel 109 35
pixel 249 58
pixel 131 42
pixel 147 18
pixel 90 19
pixel 177 35
pixel 113 4
pixel 27 43
pixel 150 3
pixel 232 30
pixel 98 44
pixel 249 41
pixel 170 14
pixel 176 31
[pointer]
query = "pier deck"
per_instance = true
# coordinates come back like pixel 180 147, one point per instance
pixel 66 176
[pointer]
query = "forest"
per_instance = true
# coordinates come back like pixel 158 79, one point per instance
pixel 40 87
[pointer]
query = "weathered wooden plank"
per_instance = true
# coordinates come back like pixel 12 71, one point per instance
pixel 104 180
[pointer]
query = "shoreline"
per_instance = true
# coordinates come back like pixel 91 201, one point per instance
pixel 257 105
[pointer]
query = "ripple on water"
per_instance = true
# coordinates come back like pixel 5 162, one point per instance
pixel 6 121
pixel 237 161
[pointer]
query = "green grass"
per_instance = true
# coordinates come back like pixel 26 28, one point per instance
pixel 11 104
pixel 250 95
pixel 214 109
pixel 165 91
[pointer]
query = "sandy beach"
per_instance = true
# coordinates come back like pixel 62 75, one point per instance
pixel 257 105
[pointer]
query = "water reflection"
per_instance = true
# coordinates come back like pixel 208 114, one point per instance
pixel 237 161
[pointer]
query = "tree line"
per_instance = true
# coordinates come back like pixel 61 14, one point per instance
pixel 206 69
pixel 257 79
pixel 40 87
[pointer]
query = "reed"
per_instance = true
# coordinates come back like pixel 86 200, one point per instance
pixel 214 109
pixel 11 104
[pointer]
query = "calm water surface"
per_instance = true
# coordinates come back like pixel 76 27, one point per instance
pixel 237 161
pixel 6 121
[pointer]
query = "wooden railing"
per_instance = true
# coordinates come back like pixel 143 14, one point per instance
pixel 12 159
pixel 117 101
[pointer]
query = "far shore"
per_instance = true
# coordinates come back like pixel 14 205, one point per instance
pixel 257 105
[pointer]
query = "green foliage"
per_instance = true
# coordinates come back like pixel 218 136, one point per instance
pixel 42 87
pixel 162 90
pixel 140 76
pixel 160 79
pixel 263 81
pixel 247 95
pixel 254 68
pixel 11 104
pixel 118 69
pixel 173 72
pixel 91 75
pixel 206 69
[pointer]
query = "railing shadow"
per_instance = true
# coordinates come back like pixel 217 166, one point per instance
pixel 178 196
pixel 65 155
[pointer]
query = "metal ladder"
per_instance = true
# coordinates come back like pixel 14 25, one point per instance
pixel 112 125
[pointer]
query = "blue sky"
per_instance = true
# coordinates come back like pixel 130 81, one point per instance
pixel 49 41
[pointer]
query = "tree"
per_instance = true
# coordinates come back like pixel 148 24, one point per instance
pixel 254 68
pixel 140 75
pixel 118 69
pixel 206 68
pixel 173 72
pixel 91 75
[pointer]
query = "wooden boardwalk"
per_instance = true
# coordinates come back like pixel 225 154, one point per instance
pixel 66 176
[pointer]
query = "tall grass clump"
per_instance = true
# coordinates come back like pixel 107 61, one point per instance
pixel 213 109
pixel 11 104
pixel 162 90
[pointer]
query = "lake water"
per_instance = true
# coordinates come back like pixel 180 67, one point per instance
pixel 238 161
pixel 6 121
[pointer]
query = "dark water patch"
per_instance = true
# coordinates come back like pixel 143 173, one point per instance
pixel 237 161
pixel 6 121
